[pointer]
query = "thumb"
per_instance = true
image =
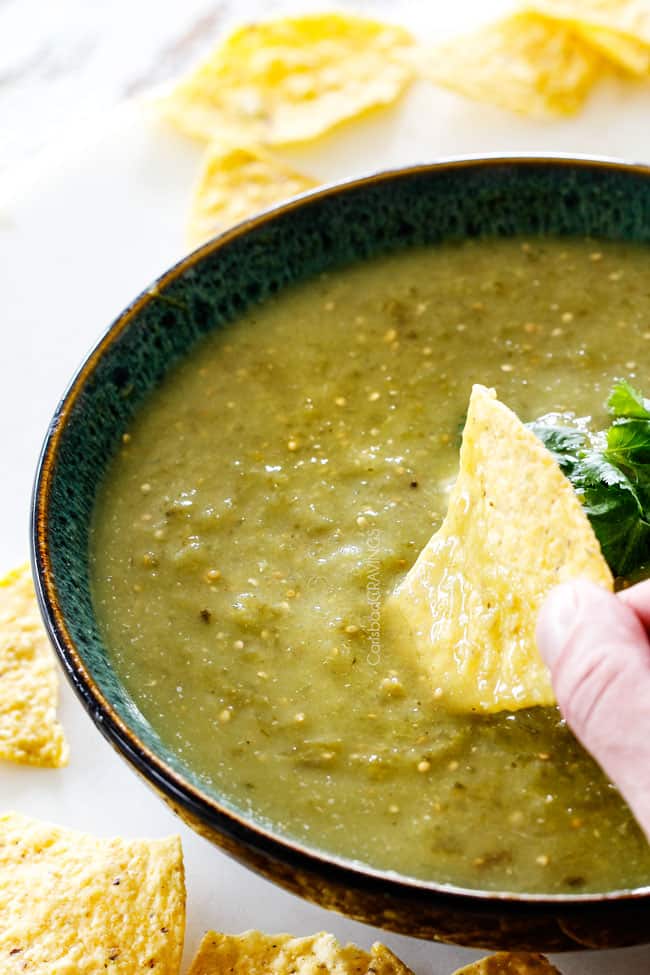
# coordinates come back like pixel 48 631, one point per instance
pixel 599 657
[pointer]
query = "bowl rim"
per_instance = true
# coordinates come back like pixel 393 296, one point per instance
pixel 207 809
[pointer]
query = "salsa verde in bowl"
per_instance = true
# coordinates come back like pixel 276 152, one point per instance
pixel 250 461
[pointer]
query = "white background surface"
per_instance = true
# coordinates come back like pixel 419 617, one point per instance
pixel 89 223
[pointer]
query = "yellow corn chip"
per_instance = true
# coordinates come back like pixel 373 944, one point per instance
pixel 29 731
pixel 237 183
pixel 72 904
pixel 254 953
pixel 618 29
pixel 292 79
pixel 525 63
pixel 384 962
pixel 514 528
pixel 631 55
pixel 510 963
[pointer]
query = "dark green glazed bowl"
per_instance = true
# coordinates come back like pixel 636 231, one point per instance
pixel 322 230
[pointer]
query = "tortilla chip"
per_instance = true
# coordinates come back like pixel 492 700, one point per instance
pixel 237 183
pixel 254 953
pixel 29 731
pixel 384 962
pixel 525 63
pixel 618 29
pixel 515 527
pixel 73 903
pixel 292 79
pixel 510 963
pixel 631 55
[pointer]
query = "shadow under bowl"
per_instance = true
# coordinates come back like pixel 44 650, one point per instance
pixel 331 227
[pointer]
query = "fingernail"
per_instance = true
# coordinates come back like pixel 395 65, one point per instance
pixel 557 620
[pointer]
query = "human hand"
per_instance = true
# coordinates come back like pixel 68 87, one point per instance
pixel 597 648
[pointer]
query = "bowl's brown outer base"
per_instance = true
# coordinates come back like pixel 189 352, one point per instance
pixel 524 926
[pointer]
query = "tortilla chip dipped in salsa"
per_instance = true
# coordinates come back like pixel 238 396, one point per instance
pixel 514 528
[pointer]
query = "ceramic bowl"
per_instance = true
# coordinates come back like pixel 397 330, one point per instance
pixel 321 230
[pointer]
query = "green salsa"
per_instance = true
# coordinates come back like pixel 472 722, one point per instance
pixel 280 483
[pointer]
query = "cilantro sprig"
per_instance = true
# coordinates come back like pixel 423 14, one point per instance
pixel 611 473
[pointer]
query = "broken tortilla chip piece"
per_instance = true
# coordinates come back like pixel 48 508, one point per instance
pixel 73 903
pixel 292 79
pixel 515 527
pixel 254 953
pixel 510 963
pixel 618 29
pixel 29 731
pixel 236 183
pixel 525 63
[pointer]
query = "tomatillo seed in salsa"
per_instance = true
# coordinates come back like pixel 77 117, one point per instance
pixel 277 487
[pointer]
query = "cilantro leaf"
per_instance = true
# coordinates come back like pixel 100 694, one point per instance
pixel 615 510
pixel 611 474
pixel 625 401
pixel 563 442
pixel 628 446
